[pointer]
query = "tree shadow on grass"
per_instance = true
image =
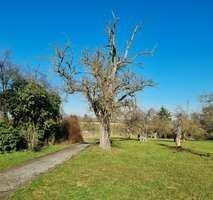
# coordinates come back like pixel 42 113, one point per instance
pixel 114 141
pixel 123 139
pixel 165 140
pixel 182 149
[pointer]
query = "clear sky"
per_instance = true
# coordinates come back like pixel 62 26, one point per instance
pixel 182 65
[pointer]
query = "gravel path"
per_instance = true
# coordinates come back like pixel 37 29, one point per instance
pixel 12 178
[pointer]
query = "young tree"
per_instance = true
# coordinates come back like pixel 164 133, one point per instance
pixel 133 120
pixel 106 81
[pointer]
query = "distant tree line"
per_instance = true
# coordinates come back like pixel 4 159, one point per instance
pixel 131 121
pixel 162 124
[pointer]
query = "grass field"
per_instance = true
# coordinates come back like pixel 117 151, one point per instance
pixel 8 160
pixel 132 170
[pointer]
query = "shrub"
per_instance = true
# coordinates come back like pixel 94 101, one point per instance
pixel 34 107
pixel 11 139
pixel 193 130
pixel 51 128
pixel 71 128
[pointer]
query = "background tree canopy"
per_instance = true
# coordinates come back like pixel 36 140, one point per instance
pixel 33 103
pixel 35 108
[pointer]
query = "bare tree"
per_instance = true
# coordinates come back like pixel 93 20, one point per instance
pixel 207 99
pixel 8 72
pixel 106 79
pixel 133 120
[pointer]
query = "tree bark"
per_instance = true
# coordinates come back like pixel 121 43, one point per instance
pixel 105 136
pixel 178 138
pixel 4 109
pixel 5 115
pixel 178 143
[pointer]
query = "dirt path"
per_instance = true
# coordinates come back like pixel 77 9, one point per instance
pixel 12 178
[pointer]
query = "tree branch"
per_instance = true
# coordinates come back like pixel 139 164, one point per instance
pixel 129 43
pixel 134 87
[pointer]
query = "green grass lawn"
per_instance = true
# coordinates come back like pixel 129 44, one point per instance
pixel 206 146
pixel 132 170
pixel 8 160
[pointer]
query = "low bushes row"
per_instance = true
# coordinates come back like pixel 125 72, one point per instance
pixel 30 137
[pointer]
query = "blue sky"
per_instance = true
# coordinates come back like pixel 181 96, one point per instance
pixel 182 65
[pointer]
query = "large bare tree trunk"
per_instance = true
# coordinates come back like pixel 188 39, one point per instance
pixel 105 136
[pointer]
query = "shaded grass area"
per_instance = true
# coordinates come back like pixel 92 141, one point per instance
pixel 202 146
pixel 132 170
pixel 12 159
pixel 199 148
